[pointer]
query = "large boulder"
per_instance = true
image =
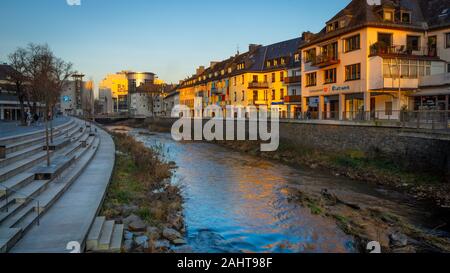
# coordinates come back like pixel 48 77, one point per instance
pixel 134 223
pixel 171 234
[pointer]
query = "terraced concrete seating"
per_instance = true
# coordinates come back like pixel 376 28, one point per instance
pixel 28 188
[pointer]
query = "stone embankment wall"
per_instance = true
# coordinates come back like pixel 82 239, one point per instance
pixel 414 149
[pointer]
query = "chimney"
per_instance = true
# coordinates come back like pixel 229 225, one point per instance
pixel 307 35
pixel 252 47
pixel 200 70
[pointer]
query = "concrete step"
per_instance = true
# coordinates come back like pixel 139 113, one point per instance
pixel 40 140
pixel 94 234
pixel 15 183
pixel 8 237
pixel 25 215
pixel 21 166
pixel 117 237
pixel 31 150
pixel 6 141
pixel 106 235
pixel 17 201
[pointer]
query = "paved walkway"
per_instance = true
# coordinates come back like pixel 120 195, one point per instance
pixel 8 129
pixel 70 218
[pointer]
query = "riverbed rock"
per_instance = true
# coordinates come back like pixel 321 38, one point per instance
pixel 161 246
pixel 153 233
pixel 128 245
pixel 176 221
pixel 135 223
pixel 183 249
pixel 179 242
pixel 141 241
pixel 127 235
pixel 398 240
pixel 171 234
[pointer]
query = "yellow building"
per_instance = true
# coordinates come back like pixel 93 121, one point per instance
pixel 370 61
pixel 113 93
pixel 254 78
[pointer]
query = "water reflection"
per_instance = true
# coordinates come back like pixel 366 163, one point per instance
pixel 236 203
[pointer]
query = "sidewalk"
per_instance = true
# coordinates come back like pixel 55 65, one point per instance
pixel 8 129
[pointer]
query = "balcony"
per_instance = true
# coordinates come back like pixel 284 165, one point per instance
pixel 258 85
pixel 324 60
pixel 293 79
pixel 293 99
pixel 383 50
pixel 435 80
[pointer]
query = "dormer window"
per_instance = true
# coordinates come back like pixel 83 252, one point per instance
pixel 406 17
pixel 297 57
pixel 275 63
pixel 333 26
pixel 283 62
pixel 268 64
pixel 388 15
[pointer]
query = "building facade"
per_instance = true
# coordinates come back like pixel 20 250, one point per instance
pixel 254 78
pixel 372 62
pixel 77 98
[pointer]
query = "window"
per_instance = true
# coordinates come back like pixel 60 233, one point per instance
pixel 406 17
pixel 241 66
pixel 265 78
pixel 283 62
pixel 352 43
pixel 273 77
pixel 388 15
pixel 413 43
pixel 273 94
pixel 294 92
pixel 281 76
pixel 268 64
pixel 330 75
pixel 353 72
pixel 310 55
pixel 411 69
pixel 297 57
pixel 332 26
pixel 243 95
pixel 255 95
pixel 265 95
pixel 275 63
pixel 311 79
pixel 385 39
pixel 235 97
pixel 448 68
pixel 255 78
pixel 281 94
pixel 447 40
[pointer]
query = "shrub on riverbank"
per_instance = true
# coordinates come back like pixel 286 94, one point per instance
pixel 142 197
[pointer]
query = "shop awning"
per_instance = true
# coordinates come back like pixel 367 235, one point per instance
pixel 438 91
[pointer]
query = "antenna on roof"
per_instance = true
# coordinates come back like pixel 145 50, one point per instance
pixel 237 50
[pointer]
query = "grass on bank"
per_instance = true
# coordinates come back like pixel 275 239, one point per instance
pixel 140 184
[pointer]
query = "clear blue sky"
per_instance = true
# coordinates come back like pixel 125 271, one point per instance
pixel 168 37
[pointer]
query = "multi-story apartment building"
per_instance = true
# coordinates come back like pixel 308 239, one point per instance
pixel 371 61
pixel 77 98
pixel 255 78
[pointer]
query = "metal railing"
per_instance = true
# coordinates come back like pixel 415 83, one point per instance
pixel 382 48
pixel 27 199
pixel 434 120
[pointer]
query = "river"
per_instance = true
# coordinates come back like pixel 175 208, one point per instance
pixel 238 203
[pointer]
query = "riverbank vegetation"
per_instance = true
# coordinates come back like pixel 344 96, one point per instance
pixel 142 197
pixel 359 166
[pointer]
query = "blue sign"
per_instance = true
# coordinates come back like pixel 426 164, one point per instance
pixel 67 99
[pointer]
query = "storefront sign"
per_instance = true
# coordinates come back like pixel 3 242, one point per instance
pixel 336 88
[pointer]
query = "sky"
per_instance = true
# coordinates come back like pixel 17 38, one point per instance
pixel 168 37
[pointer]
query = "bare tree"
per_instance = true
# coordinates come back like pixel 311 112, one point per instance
pixel 46 76
pixel 17 60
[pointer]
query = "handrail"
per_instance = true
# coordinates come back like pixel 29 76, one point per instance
pixel 27 198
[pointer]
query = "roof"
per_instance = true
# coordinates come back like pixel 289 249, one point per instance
pixel 5 71
pixel 425 15
pixel 255 60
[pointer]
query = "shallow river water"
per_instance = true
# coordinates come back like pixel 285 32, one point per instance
pixel 236 202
